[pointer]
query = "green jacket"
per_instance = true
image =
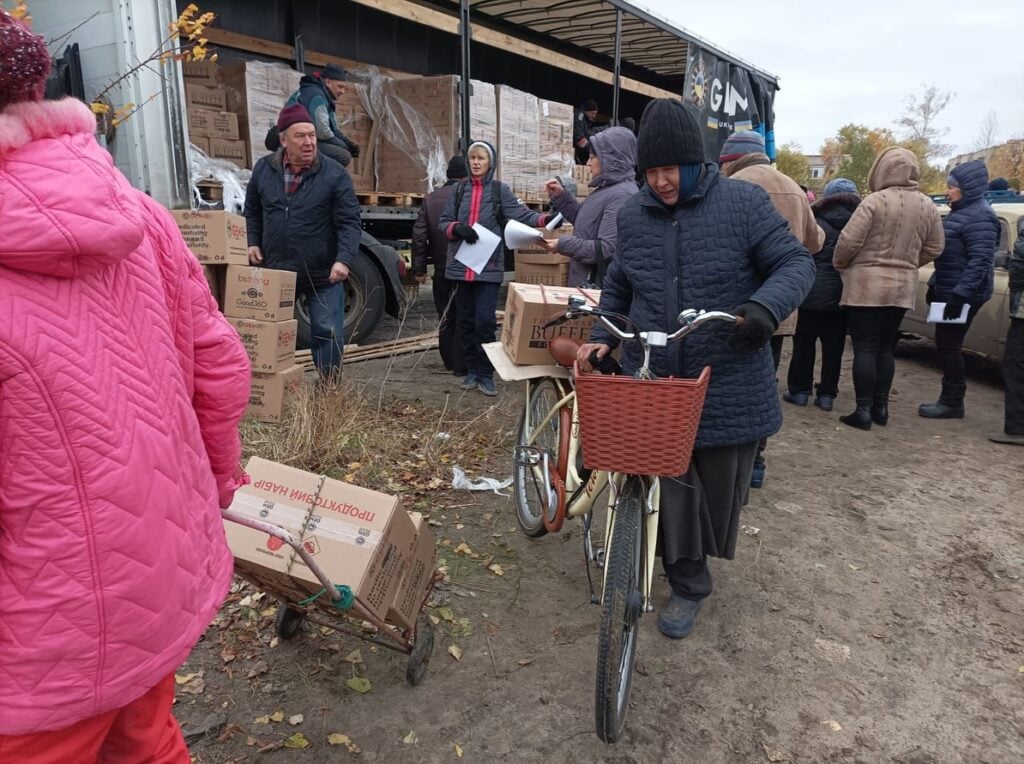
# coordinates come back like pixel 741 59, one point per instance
pixel 319 102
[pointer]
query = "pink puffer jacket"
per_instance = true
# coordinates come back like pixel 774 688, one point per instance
pixel 121 388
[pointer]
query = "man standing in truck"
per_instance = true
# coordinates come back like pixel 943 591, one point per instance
pixel 303 216
pixel 318 94
pixel 583 128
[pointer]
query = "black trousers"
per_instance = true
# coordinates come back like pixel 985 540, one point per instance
pixel 475 303
pixel 776 345
pixel 949 341
pixel 1013 374
pixel 875 332
pixel 449 338
pixel 812 326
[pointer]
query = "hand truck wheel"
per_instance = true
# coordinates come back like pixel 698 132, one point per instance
pixel 422 649
pixel 287 622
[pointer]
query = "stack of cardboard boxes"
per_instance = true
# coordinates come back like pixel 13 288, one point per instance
pixel 257 92
pixel 218 240
pixel 582 175
pixel 360 538
pixel 421 126
pixel 260 304
pixel 211 126
pixel 535 265
pixel 357 124
pixel 518 148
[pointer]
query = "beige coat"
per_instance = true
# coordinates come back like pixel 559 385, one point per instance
pixel 895 230
pixel 791 202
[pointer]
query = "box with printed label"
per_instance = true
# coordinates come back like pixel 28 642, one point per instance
pixel 207 123
pixel 359 538
pixel 203 97
pixel 215 237
pixel 528 308
pixel 270 344
pixel 548 268
pixel 236 152
pixel 413 589
pixel 200 72
pixel 261 293
pixel 270 393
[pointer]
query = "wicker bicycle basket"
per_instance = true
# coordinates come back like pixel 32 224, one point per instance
pixel 639 426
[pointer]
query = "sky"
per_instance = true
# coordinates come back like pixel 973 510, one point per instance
pixel 844 62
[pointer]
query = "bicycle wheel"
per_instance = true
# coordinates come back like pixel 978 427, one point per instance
pixel 620 614
pixel 529 491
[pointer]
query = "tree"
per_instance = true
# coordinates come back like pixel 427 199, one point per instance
pixel 988 132
pixel 852 151
pixel 931 179
pixel 789 160
pixel 1007 161
pixel 918 120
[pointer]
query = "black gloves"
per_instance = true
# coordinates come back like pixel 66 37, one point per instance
pixel 954 304
pixel 466 233
pixel 353 149
pixel 755 331
pixel 929 296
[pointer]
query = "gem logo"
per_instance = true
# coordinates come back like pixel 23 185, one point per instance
pixel 274 543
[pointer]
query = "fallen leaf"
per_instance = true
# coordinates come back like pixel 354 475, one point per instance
pixel 447 614
pixel 259 667
pixel 356 656
pixel 656 667
pixel 277 716
pixel 459 526
pixel 463 548
pixel 833 725
pixel 496 569
pixel 525 662
pixel 184 678
pixel 411 739
pixel 267 612
pixel 434 619
pixel 458 750
pixel 227 656
pixel 274 643
pixel 360 684
pixel 261 720
pixel 336 738
pixel 1021 669
pixel 296 719
pixel 854 567
pixel 194 687
pixel 773 755
pixel 456 652
pixel 298 740
pixel 750 530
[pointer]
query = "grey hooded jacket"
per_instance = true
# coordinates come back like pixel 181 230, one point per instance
pixel 594 220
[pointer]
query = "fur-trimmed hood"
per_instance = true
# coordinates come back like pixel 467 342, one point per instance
pixel 66 209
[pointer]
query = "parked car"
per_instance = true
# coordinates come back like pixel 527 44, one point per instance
pixel 987 336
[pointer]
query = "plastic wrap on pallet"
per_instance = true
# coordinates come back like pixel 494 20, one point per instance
pixel 419 125
pixel 518 132
pixel 257 92
pixel 555 141
pixel 355 119
pixel 231 178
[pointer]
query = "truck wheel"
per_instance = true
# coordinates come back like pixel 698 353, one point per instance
pixel 364 303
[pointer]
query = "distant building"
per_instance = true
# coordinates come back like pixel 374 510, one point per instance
pixel 818 168
pixel 1013 147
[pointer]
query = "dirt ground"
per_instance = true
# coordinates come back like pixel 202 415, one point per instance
pixel 874 613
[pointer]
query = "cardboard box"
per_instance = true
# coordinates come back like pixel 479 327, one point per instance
pixel 360 538
pixel 555 141
pixel 359 127
pixel 582 175
pixel 270 344
pixel 200 72
pixel 270 393
pixel 207 123
pixel 405 608
pixel 257 92
pixel 201 143
pixel 236 152
pixel 528 308
pixel 518 148
pixel 537 249
pixel 215 237
pixel 549 268
pixel 205 97
pixel 260 293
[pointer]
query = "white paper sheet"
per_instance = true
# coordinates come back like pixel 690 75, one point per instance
pixel 476 256
pixel 936 310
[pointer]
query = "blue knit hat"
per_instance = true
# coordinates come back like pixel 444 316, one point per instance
pixel 740 144
pixel 840 186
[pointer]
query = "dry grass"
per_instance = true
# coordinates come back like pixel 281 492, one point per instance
pixel 356 432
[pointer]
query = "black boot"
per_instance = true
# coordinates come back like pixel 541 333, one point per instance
pixel 861 416
pixel 880 411
pixel 950 404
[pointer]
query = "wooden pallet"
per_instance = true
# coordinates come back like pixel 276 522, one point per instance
pixel 381 199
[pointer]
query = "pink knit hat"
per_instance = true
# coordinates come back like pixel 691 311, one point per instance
pixel 24 62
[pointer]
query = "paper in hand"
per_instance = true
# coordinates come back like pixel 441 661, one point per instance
pixel 476 256
pixel 936 309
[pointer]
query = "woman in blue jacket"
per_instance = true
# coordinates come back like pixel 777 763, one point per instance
pixel 490 203
pixel 963 276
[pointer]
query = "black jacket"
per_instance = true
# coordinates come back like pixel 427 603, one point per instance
pixel 429 245
pixel 310 231
pixel 832 213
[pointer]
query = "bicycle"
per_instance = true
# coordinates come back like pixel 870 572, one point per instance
pixel 585 432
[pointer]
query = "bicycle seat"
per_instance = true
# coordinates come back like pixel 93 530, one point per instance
pixel 563 350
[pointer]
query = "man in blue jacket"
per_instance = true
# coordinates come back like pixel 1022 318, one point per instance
pixel 302 215
pixel 963 276
pixel 694 239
